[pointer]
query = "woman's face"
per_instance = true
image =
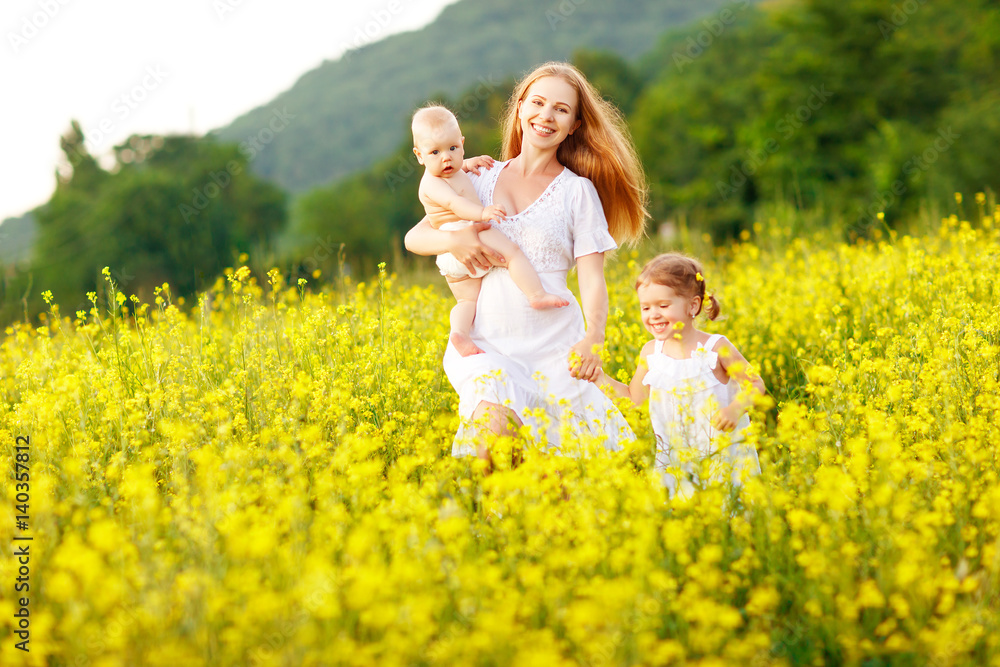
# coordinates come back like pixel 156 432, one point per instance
pixel 548 112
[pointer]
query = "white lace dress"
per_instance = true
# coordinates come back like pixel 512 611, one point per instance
pixel 684 394
pixel 525 365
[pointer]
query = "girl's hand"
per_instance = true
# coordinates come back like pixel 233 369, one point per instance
pixel 494 213
pixel 726 418
pixel 473 253
pixel 474 164
pixel 585 360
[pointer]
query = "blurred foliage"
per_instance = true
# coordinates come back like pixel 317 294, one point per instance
pixel 175 209
pixel 853 108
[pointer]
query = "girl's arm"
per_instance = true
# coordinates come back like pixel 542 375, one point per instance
pixel 585 362
pixel 751 385
pixel 464 244
pixel 635 389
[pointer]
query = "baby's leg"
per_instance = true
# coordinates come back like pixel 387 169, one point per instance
pixel 466 291
pixel 521 271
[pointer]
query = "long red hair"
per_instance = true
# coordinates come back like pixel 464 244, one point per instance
pixel 601 149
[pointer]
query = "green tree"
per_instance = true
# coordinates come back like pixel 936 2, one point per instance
pixel 612 75
pixel 845 107
pixel 174 209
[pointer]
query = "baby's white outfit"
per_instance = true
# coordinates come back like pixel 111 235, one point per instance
pixel 451 267
pixel 684 395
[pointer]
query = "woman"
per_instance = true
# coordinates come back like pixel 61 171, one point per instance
pixel 573 187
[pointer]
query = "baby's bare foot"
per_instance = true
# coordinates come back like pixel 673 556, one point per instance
pixel 464 344
pixel 547 301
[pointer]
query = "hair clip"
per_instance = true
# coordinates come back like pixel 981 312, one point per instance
pixel 697 276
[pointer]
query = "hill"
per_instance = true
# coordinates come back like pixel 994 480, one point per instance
pixel 345 115
pixel 17 235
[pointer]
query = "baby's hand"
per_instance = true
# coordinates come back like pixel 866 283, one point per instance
pixel 474 164
pixel 494 213
pixel 726 418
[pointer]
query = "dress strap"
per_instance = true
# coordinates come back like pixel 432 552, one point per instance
pixel 712 340
pixel 489 184
pixel 657 347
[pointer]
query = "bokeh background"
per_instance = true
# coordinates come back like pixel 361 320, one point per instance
pixel 164 141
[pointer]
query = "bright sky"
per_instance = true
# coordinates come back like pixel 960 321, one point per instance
pixel 158 66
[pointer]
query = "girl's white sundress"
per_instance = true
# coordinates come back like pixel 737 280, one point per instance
pixel 525 364
pixel 684 395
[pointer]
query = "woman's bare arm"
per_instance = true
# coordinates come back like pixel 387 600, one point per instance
pixel 594 294
pixel 464 244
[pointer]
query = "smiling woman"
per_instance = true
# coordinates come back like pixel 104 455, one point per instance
pixel 573 188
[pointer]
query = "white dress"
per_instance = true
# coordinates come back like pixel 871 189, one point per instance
pixel 684 395
pixel 525 364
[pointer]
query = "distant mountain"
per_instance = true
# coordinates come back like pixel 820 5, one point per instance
pixel 347 114
pixel 17 236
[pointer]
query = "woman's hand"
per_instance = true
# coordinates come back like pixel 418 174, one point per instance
pixel 464 244
pixel 474 164
pixel 585 360
pixel 470 251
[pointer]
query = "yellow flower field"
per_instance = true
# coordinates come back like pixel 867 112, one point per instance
pixel 264 478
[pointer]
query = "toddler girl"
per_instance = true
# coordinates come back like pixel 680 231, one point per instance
pixel 699 386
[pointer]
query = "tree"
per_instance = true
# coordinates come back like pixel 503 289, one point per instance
pixel 174 209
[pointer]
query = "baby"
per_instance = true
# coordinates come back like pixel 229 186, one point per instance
pixel 451 203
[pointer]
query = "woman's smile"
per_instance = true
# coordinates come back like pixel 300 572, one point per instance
pixel 549 110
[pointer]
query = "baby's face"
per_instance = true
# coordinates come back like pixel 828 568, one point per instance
pixel 440 150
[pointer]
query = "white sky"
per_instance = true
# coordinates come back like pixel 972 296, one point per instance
pixel 181 65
